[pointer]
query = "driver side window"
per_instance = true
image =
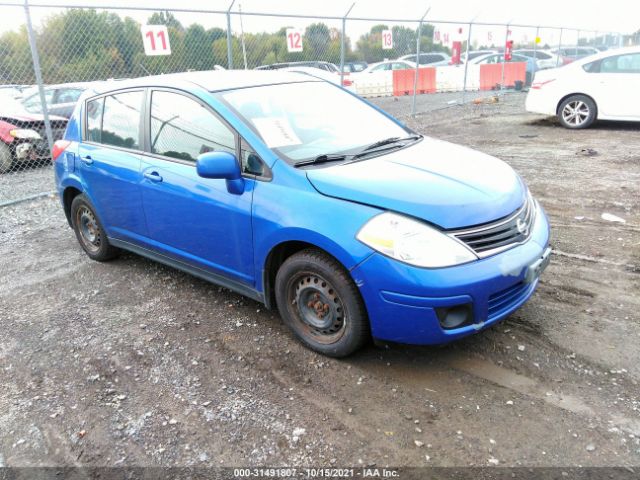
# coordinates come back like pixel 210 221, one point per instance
pixel 182 128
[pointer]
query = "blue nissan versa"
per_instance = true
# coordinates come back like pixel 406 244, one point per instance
pixel 298 194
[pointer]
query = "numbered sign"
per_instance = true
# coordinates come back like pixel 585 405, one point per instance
pixel 387 39
pixel 294 40
pixel 156 40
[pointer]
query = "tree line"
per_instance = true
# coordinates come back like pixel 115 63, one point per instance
pixel 84 45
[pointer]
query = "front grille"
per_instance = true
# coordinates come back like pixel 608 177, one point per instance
pixel 494 237
pixel 505 299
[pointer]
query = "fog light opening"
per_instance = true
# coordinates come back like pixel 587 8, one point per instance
pixel 455 316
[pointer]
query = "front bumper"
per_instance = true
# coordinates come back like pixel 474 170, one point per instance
pixel 401 300
pixel 26 151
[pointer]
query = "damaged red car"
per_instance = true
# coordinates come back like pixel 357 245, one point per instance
pixel 23 139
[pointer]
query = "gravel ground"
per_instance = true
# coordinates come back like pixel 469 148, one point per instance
pixel 132 363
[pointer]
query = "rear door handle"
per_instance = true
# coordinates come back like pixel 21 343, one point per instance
pixel 153 176
pixel 86 159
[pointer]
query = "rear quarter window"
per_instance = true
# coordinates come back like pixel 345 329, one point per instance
pixel 121 120
pixel 94 120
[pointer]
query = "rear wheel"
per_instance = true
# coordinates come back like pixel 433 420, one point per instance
pixel 577 111
pixel 318 300
pixel 6 158
pixel 89 231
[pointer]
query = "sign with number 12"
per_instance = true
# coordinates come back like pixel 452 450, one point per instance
pixel 156 40
pixel 387 39
pixel 294 40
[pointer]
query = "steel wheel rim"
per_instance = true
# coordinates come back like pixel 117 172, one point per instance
pixel 89 229
pixel 575 113
pixel 317 308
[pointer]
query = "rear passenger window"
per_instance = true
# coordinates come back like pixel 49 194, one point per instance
pixel 621 64
pixel 121 120
pixel 182 128
pixel 94 120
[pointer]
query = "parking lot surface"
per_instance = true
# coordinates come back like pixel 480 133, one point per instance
pixel 134 363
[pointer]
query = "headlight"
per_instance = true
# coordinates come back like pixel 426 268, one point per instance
pixel 413 242
pixel 25 133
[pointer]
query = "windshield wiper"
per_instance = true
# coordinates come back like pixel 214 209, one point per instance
pixel 389 141
pixel 372 148
pixel 393 142
pixel 324 158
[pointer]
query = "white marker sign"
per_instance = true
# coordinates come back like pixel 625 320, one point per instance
pixel 294 40
pixel 276 132
pixel 156 40
pixel 387 39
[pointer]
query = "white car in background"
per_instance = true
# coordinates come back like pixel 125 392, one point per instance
pixel 475 54
pixel 603 86
pixel 330 77
pixel 386 66
pixel 544 58
pixel 428 59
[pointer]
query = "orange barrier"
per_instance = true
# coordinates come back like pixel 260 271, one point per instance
pixel 403 81
pixel 491 75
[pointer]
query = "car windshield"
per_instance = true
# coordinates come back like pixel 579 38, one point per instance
pixel 301 121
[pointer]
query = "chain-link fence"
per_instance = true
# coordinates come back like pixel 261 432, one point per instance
pixel 52 54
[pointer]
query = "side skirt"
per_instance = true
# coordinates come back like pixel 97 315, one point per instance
pixel 190 269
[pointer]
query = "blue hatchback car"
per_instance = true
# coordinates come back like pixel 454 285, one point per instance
pixel 300 195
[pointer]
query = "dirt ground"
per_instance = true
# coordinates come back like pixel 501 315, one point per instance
pixel 132 363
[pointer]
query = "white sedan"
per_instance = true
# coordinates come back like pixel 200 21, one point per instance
pixel 603 86
pixel 388 65
pixel 331 77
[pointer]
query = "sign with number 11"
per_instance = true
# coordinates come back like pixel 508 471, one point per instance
pixel 156 40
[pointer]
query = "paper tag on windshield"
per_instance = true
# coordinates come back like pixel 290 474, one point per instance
pixel 276 132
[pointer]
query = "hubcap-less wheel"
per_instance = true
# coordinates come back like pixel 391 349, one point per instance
pixel 89 230
pixel 575 113
pixel 317 308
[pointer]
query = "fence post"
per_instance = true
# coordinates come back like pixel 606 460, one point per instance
pixel 343 41
pixel 38 73
pixel 229 51
pixel 559 48
pixel 535 48
pixel 504 58
pixel 417 72
pixel 466 64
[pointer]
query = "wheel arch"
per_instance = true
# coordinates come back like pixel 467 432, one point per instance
pixel 277 256
pixel 68 194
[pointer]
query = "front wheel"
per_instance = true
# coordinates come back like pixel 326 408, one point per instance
pixel 6 158
pixel 577 111
pixel 319 302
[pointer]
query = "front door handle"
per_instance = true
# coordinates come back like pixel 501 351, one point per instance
pixel 86 159
pixel 153 176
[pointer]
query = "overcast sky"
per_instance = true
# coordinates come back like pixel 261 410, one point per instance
pixel 587 15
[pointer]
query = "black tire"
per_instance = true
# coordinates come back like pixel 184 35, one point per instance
pixel 6 158
pixel 577 111
pixel 89 230
pixel 319 302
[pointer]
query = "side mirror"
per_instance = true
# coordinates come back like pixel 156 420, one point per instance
pixel 218 165
pixel 222 165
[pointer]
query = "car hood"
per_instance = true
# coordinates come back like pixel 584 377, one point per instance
pixel 444 184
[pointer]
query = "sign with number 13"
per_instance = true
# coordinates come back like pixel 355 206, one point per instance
pixel 387 39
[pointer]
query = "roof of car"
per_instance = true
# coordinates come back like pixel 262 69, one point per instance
pixel 212 80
